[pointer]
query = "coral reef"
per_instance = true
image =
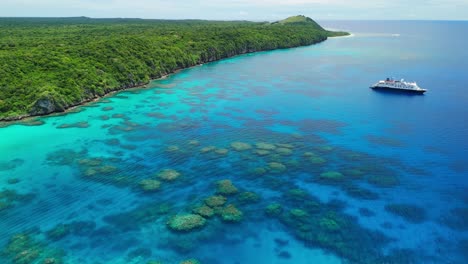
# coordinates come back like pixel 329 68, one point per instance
pixel 10 198
pixel 331 176
pixel 190 261
pixel 149 185
pixel 261 152
pixel 58 232
pixel 13 181
pixel 383 180
pixel 139 253
pixel 296 194
pixel 366 212
pixel 172 148
pixel 317 160
pixel 74 125
pixel 204 211
pixel 298 213
pixel 231 214
pixel 226 187
pixel 248 198
pixel 132 220
pixel 240 146
pixel 194 142
pixel 186 222
pixel 325 226
pixel 276 167
pixel 360 192
pixel 284 151
pixel 265 146
pixel 215 201
pixel 258 171
pixel 91 162
pixel 409 212
pixel 168 175
pixel 274 209
pixel 222 151
pixel 207 149
pixel 63 157
pixel 285 145
pixel 24 249
pixel 457 219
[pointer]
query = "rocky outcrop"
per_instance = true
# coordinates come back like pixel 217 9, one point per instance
pixel 43 106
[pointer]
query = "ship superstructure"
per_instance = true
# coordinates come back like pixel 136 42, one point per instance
pixel 401 85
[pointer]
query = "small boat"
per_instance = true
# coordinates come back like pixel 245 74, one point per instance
pixel 402 86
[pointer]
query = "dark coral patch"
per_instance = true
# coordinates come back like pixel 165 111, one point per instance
pixel 409 212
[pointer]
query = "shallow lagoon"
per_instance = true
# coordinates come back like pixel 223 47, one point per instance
pixel 321 168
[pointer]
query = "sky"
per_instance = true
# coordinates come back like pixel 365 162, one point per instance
pixel 255 10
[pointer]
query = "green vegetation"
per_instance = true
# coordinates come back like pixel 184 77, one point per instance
pixel 50 64
pixel 299 20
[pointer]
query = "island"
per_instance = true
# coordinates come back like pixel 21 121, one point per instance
pixel 49 65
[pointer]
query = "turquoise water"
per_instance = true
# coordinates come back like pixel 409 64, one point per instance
pixel 329 172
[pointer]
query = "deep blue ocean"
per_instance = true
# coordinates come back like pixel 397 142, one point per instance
pixel 280 157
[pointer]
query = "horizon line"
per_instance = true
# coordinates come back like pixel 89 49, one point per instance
pixel 181 19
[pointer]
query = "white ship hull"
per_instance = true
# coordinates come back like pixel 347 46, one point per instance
pixel 398 86
pixel 420 91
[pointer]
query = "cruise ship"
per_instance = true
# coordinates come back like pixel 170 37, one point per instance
pixel 390 84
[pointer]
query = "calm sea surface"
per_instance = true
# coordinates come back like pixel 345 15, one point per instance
pixel 306 163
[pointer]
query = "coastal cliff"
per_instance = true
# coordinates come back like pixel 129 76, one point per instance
pixel 48 65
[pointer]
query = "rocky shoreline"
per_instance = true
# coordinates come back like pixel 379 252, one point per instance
pixel 46 106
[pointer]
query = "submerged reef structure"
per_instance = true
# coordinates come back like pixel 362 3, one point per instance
pixel 168 175
pixel 230 213
pixel 186 222
pixel 331 176
pixel 150 185
pixel 276 167
pixel 139 216
pixel 190 261
pixel 204 211
pixel 326 226
pixel 409 212
pixel 25 249
pixel 240 146
pixel 274 209
pixel 248 198
pixel 215 201
pixel 11 198
pixel 225 187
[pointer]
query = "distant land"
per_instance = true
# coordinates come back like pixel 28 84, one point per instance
pixel 48 65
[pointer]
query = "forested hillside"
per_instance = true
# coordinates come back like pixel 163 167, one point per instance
pixel 50 64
